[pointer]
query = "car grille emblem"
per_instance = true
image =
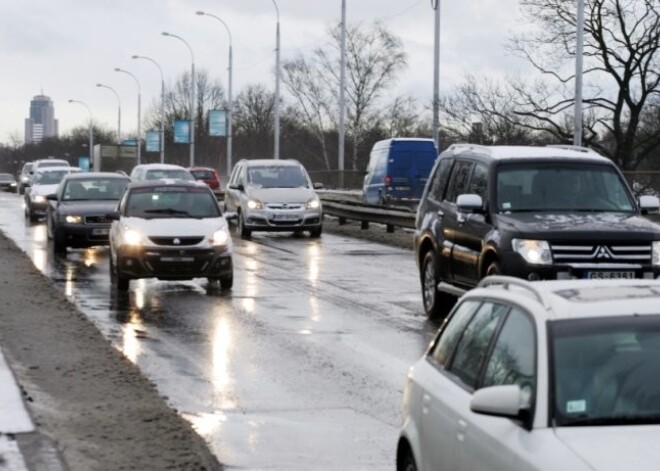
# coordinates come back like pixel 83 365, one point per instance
pixel 603 252
pixel 176 241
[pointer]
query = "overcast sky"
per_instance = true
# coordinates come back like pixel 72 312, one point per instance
pixel 65 47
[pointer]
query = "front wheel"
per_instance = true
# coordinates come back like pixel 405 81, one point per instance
pixel 406 461
pixel 494 269
pixel 116 278
pixel 244 231
pixel 316 233
pixel 436 303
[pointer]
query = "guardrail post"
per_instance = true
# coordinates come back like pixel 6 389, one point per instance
pixel 364 225
pixel 390 228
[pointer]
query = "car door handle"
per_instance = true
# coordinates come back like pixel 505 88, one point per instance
pixel 426 402
pixel 462 428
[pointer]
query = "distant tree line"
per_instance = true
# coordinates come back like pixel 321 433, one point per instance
pixel 621 97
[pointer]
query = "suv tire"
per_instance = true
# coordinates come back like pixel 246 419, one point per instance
pixel 243 231
pixel 119 281
pixel 436 303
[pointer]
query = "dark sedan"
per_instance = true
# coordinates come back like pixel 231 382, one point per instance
pixel 7 182
pixel 77 213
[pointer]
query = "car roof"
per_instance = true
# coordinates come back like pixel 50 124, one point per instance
pixel 526 152
pixel 272 162
pixel 95 175
pixel 572 299
pixel 161 167
pixel 166 182
pixel 201 168
pixel 59 168
pixel 50 160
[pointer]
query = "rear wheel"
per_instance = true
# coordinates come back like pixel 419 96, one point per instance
pixel 436 303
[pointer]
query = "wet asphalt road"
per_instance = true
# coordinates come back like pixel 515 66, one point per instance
pixel 301 366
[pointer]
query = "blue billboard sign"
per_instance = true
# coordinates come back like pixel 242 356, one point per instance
pixel 217 123
pixel 181 131
pixel 84 163
pixel 153 141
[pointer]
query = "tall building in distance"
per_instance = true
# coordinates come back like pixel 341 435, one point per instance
pixel 42 122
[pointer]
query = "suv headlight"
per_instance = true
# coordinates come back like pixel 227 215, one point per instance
pixel 220 237
pixel 71 219
pixel 132 237
pixel 254 204
pixel 314 203
pixel 38 198
pixel 656 252
pixel 536 252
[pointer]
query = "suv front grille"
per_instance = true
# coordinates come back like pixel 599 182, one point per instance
pixel 177 241
pixel 285 206
pixel 98 219
pixel 601 253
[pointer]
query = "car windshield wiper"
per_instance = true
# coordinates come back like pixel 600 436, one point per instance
pixel 630 419
pixel 172 211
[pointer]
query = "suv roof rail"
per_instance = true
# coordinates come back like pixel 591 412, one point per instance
pixel 571 147
pixel 507 281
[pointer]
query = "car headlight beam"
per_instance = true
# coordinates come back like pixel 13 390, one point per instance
pixel 72 219
pixel 536 252
pixel 314 203
pixel 220 237
pixel 254 204
pixel 132 237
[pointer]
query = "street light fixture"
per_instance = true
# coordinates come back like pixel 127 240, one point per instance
pixel 91 135
pixel 342 96
pixel 139 116
pixel 579 72
pixel 229 95
pixel 118 109
pixel 192 97
pixel 162 105
pixel 435 4
pixel 277 84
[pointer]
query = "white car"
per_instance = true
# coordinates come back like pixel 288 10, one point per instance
pixel 44 182
pixel 170 230
pixel 550 375
pixel 161 172
pixel 274 195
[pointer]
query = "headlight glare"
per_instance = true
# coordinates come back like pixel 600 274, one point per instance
pixel 314 203
pixel 656 253
pixel 70 219
pixel 254 204
pixel 220 237
pixel 132 237
pixel 536 252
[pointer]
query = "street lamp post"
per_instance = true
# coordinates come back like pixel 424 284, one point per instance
pixel 436 75
pixel 139 116
pixel 342 95
pixel 118 109
pixel 230 105
pixel 162 105
pixel 277 84
pixel 579 51
pixel 192 97
pixel 91 135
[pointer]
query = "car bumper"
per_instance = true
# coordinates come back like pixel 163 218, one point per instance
pixel 83 235
pixel 174 263
pixel 274 221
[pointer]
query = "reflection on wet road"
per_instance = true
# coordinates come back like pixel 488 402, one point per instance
pixel 301 366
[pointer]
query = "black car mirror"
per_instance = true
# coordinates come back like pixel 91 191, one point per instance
pixel 52 197
pixel 318 186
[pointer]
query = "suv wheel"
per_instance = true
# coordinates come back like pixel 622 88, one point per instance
pixel 436 303
pixel 316 233
pixel 494 269
pixel 115 278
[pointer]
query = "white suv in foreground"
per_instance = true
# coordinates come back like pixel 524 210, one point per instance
pixel 550 375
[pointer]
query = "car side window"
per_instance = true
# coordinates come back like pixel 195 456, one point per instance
pixel 452 331
pixel 458 183
pixel 513 360
pixel 473 346
pixel 479 181
pixel 440 178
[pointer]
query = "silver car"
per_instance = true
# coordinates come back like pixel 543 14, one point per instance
pixel 274 195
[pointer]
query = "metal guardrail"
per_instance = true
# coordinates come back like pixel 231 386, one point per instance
pixel 347 205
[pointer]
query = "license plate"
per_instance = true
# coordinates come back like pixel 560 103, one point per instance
pixel 100 231
pixel 285 217
pixel 610 275
pixel 177 259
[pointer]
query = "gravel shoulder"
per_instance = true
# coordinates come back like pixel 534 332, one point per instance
pixel 82 393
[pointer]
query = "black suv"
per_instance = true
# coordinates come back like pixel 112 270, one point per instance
pixel 538 213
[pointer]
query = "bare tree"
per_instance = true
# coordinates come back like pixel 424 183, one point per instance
pixel 253 120
pixel 622 39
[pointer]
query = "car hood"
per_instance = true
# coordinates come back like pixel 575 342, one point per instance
pixel 614 448
pixel 87 207
pixel 43 190
pixel 175 227
pixel 281 195
pixel 559 226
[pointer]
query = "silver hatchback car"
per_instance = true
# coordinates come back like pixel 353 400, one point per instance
pixel 274 195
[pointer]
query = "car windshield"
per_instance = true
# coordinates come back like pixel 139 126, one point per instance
pixel 277 176
pixel 606 371
pixel 203 174
pixel 94 189
pixel 171 202
pixel 51 177
pixel 173 174
pixel 555 187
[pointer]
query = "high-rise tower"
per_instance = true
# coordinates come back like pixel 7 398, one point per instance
pixel 42 122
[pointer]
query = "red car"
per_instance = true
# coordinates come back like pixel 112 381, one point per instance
pixel 207 175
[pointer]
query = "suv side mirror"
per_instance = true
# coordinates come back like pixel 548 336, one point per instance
pixel 470 203
pixel 503 401
pixel 649 204
pixel 318 186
